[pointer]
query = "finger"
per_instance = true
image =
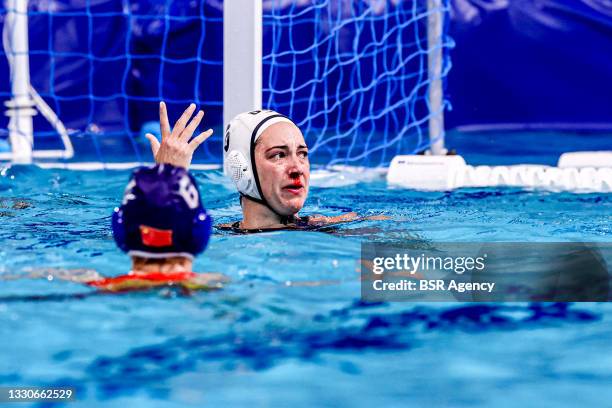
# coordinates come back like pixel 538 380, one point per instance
pixel 195 122
pixel 180 124
pixel 199 139
pixel 154 143
pixel 164 124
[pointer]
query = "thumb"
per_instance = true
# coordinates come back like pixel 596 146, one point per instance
pixel 154 143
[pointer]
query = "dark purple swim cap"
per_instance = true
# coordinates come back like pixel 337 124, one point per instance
pixel 161 214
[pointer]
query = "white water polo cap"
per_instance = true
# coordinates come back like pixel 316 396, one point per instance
pixel 239 141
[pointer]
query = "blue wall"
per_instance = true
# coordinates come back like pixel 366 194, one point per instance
pixel 540 63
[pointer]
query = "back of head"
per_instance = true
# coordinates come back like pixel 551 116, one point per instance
pixel 161 215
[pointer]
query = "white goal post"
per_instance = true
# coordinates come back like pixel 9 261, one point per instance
pixel 435 25
pixel 242 57
pixel 25 102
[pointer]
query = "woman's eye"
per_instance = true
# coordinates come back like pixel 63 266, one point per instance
pixel 303 154
pixel 278 155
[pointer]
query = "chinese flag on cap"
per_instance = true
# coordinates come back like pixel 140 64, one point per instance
pixel 154 237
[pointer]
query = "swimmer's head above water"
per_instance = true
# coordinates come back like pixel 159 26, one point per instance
pixel 267 158
pixel 161 221
pixel 265 155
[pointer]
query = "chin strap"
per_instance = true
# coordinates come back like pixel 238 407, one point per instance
pixel 287 219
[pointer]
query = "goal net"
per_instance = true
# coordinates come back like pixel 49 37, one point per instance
pixel 352 74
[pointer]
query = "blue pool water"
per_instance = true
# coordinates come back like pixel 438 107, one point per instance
pixel 290 330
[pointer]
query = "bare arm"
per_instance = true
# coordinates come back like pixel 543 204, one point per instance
pixel 205 281
pixel 348 217
pixel 131 281
pixel 82 275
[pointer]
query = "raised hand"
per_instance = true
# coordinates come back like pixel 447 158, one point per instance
pixel 175 147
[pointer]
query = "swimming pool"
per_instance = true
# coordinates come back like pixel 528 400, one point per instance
pixel 290 329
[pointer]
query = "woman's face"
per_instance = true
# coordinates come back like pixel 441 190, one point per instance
pixel 281 157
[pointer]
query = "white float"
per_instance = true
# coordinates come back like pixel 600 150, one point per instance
pixel 583 172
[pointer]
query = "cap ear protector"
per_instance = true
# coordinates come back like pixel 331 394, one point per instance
pixel 240 138
pixel 239 170
pixel 161 215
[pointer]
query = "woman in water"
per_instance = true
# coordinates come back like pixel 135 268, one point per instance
pixel 162 226
pixel 161 222
pixel 266 156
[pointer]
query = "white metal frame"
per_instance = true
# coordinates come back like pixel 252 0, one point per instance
pixel 26 101
pixel 435 25
pixel 242 57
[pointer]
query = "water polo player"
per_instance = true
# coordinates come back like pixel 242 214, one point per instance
pixel 161 223
pixel 162 226
pixel 267 158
